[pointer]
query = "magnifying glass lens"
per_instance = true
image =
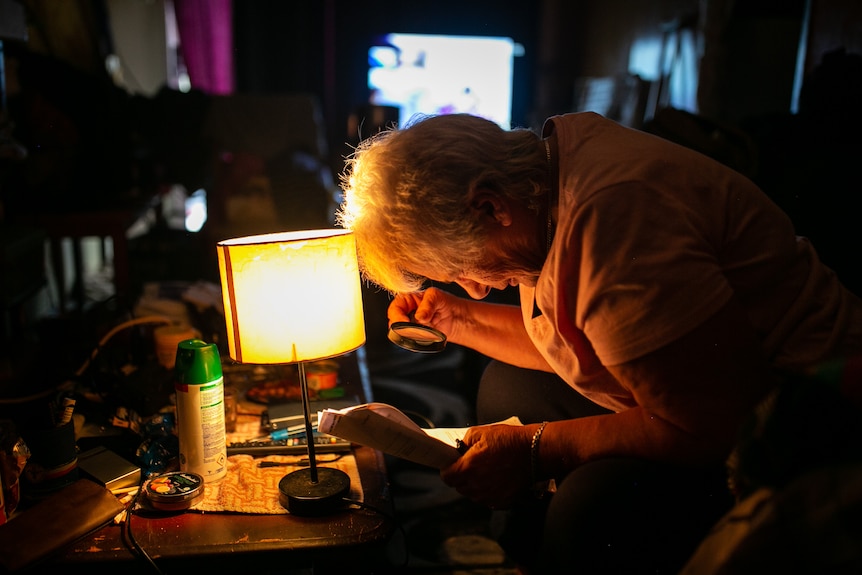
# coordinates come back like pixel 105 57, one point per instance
pixel 417 337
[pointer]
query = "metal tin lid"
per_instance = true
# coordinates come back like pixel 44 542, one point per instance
pixel 175 491
pixel 417 337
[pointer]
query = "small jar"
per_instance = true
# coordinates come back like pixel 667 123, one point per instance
pixel 175 491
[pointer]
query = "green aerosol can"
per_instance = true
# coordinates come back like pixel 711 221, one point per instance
pixel 199 386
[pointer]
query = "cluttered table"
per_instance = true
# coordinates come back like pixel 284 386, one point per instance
pixel 239 518
pixel 227 540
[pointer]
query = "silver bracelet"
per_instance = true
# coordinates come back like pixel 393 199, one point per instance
pixel 534 453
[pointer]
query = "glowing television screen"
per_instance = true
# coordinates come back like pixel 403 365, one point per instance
pixel 443 74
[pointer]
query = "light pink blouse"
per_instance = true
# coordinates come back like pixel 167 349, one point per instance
pixel 651 240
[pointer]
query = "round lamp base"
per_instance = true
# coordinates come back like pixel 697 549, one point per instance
pixel 300 496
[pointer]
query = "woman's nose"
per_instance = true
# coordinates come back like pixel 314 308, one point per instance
pixel 474 290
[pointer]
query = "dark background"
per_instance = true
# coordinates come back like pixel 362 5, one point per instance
pixel 756 55
pixel 92 145
pixel 752 48
pixel 322 46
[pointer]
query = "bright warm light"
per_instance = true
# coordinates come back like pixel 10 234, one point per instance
pixel 291 296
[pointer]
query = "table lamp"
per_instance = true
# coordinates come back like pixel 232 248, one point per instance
pixel 295 297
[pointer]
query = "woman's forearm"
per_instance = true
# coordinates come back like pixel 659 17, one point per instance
pixel 497 331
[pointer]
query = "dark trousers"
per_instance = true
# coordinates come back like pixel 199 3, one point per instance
pixel 616 515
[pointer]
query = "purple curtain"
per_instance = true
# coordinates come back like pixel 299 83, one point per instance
pixel 206 41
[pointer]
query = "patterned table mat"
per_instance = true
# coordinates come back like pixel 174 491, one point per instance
pixel 249 488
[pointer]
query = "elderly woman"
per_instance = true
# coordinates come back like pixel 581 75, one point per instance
pixel 662 295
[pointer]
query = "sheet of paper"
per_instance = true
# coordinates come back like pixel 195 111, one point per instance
pixel 451 435
pixel 385 428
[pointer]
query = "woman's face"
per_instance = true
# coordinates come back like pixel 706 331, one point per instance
pixel 514 255
pixel 481 281
pixel 507 262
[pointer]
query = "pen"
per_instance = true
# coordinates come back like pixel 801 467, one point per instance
pixel 280 434
pixel 461 446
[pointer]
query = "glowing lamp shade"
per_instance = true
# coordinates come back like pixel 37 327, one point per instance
pixel 292 296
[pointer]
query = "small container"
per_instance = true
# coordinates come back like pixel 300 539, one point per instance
pixel 167 337
pixel 175 491
pixel 231 398
pixel 322 374
pixel 53 462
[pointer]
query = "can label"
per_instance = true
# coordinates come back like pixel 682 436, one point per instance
pixel 201 428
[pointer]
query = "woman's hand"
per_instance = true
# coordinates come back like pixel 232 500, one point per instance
pixel 495 469
pixel 432 307
pixel 495 330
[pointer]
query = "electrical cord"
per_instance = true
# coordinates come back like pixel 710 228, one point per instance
pixel 93 354
pixel 129 536
pixel 114 331
pixel 304 462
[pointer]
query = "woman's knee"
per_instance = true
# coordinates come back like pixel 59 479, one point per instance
pixel 533 396
pixel 622 515
pixel 506 390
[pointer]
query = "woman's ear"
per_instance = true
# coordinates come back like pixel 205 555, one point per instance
pixel 491 205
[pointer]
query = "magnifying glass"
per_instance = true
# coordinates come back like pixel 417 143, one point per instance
pixel 417 337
